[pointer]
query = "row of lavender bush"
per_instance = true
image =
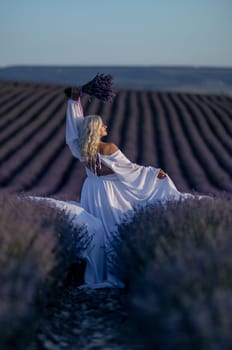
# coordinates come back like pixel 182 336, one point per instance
pixel 177 263
pixel 37 247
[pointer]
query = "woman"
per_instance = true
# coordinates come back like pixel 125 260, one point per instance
pixel 114 186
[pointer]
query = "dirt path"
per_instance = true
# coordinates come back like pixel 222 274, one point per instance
pixel 87 319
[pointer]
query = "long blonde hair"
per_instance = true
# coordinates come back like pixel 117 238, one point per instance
pixel 89 140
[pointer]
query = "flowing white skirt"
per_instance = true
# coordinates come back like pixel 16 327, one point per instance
pixel 95 275
pixel 110 200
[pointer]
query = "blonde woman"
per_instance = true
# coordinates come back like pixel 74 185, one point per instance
pixel 114 186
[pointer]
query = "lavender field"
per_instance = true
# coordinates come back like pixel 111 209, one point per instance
pixel 188 248
pixel 188 135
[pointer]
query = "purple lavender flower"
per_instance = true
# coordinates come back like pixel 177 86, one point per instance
pixel 100 87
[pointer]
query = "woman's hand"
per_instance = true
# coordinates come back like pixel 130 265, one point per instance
pixel 76 93
pixel 161 175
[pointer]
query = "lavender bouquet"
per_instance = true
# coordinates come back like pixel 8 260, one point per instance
pixel 100 87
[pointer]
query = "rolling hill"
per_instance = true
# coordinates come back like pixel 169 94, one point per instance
pixel 188 135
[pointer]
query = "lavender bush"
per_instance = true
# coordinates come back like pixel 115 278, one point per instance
pixel 177 262
pixel 37 247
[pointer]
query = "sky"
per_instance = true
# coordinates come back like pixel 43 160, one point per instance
pixel 116 32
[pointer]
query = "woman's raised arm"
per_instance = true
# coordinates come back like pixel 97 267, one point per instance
pixel 74 118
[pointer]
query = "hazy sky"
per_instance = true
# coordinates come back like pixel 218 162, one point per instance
pixel 116 32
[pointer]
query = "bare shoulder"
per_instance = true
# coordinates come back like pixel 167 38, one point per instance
pixel 106 148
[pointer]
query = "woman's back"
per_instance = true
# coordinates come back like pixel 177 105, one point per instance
pixel 107 148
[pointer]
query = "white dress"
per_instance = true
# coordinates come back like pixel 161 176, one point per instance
pixel 111 197
pixel 94 255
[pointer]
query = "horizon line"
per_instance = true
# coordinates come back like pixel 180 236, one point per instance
pixel 117 66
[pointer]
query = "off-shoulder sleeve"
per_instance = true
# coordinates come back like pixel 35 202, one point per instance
pixel 133 175
pixel 74 118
